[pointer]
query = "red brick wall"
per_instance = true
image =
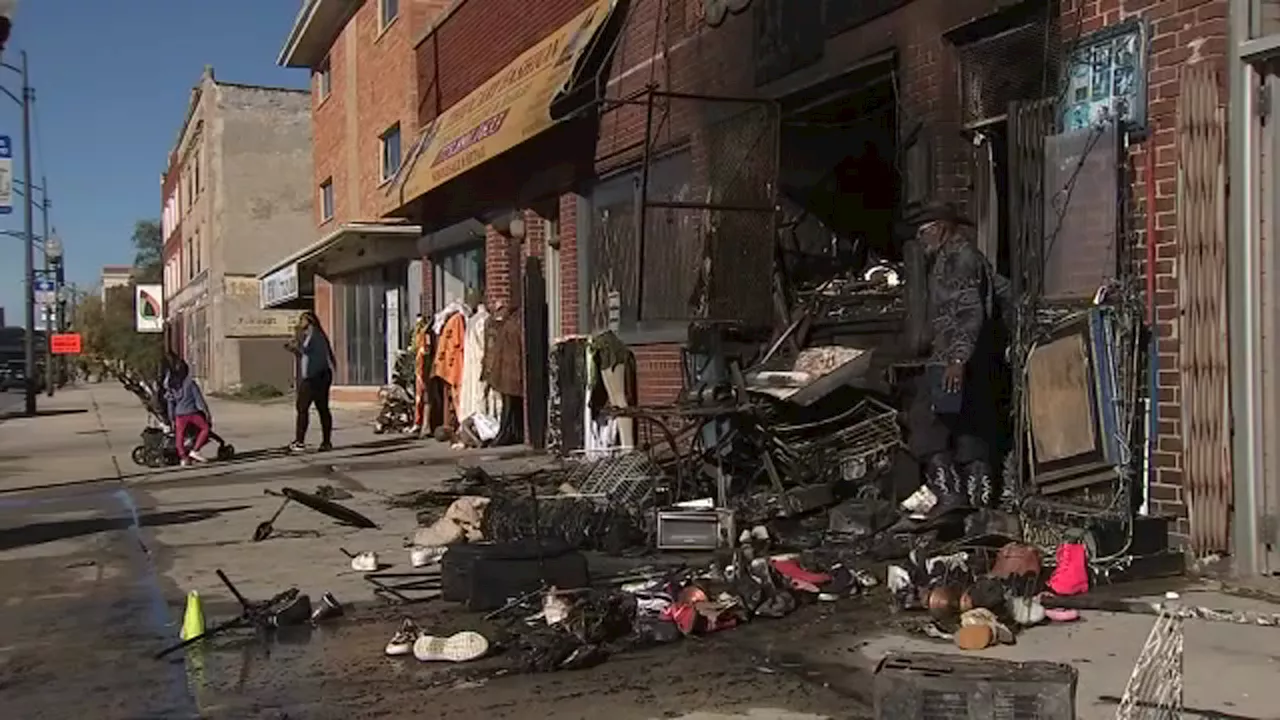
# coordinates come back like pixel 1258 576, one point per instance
pixel 369 93
pixel 478 39
pixel 1182 32
pixel 569 264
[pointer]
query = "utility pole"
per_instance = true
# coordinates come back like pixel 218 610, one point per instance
pixel 29 260
pixel 47 310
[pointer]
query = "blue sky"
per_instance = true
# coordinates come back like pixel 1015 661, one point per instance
pixel 112 80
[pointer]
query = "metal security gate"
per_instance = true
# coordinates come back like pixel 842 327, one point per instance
pixel 1029 123
pixel 1202 306
pixel 706 244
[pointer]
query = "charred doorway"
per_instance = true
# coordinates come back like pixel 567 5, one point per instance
pixel 839 184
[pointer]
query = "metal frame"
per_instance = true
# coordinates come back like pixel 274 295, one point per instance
pixel 657 107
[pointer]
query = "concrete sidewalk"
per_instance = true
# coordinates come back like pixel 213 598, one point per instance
pixel 84 442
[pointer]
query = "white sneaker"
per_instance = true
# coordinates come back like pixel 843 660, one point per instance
pixel 458 647
pixel 920 502
pixel 424 556
pixel 197 457
pixel 402 642
pixel 185 462
pixel 365 562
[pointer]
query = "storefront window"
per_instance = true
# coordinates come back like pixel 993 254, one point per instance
pixel 620 295
pixel 360 305
pixel 454 273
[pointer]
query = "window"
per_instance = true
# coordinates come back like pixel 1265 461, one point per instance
pixel 197 261
pixel 671 258
pixel 186 260
pixel 456 272
pixel 1106 79
pixel 390 142
pixel 326 200
pixel 324 79
pixel 388 10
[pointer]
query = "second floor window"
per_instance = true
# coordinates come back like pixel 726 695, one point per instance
pixel 387 11
pixel 390 142
pixel 324 79
pixel 326 200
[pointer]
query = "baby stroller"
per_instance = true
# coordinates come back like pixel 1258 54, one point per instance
pixel 159 446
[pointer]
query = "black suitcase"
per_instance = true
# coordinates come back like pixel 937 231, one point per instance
pixel 485 576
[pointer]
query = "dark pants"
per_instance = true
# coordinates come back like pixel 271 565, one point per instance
pixel 315 391
pixel 960 441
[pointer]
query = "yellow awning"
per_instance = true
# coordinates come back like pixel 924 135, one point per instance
pixel 506 110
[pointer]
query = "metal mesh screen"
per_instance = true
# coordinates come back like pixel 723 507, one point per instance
pixel 1018 64
pixel 709 212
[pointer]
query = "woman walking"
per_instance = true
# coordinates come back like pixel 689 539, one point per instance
pixel 188 409
pixel 315 377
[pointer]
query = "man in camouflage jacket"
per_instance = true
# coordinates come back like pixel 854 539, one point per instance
pixel 966 301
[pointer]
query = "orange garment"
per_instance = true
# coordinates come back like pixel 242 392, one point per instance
pixel 421 347
pixel 448 362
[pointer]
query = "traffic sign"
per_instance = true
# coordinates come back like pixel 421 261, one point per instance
pixel 46 292
pixel 6 175
pixel 64 344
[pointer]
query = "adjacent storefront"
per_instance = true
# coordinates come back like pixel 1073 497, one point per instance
pixel 359 281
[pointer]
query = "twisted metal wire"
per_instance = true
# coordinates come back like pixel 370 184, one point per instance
pixel 1154 689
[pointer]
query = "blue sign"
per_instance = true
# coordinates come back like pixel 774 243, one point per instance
pixel 45 292
pixel 6 175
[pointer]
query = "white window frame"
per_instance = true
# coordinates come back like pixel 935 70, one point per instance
pixel 388 172
pixel 387 15
pixel 326 200
pixel 324 79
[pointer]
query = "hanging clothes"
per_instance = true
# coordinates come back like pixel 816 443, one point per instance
pixel 614 362
pixel 503 367
pixel 449 359
pixel 421 353
pixel 474 394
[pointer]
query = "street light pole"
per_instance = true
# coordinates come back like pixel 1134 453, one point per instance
pixel 29 260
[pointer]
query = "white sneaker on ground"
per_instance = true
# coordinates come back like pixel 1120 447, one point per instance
pixel 458 647
pixel 402 642
pixel 185 462
pixel 920 502
pixel 296 447
pixel 197 457
pixel 365 562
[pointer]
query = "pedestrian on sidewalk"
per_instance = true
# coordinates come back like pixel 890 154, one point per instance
pixel 315 376
pixel 187 407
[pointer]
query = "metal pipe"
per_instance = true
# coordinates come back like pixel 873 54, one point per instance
pixel 672 205
pixel 1242 294
pixel 643 205
pixel 29 260
pixel 1153 351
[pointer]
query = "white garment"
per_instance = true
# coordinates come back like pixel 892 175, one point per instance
pixel 475 396
pixel 437 323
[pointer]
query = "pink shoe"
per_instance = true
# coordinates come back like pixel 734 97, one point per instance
pixel 1071 576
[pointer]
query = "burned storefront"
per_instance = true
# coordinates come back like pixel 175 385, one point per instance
pixel 755 228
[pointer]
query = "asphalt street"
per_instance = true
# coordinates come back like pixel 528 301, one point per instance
pixel 10 401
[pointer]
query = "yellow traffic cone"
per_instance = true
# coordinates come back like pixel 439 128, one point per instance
pixel 193 618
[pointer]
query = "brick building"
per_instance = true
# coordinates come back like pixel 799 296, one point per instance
pixel 236 191
pixel 638 188
pixel 360 272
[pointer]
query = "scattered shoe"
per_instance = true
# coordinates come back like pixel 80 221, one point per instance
pixel 185 462
pixel 402 642
pixel 296 447
pixel 458 647
pixel 197 457
pixel 365 562
pixel 920 502
pixel 1071 576
pixel 424 556
pixel 325 447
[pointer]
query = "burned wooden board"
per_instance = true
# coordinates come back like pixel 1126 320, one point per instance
pixel 1081 221
pixel 1059 400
